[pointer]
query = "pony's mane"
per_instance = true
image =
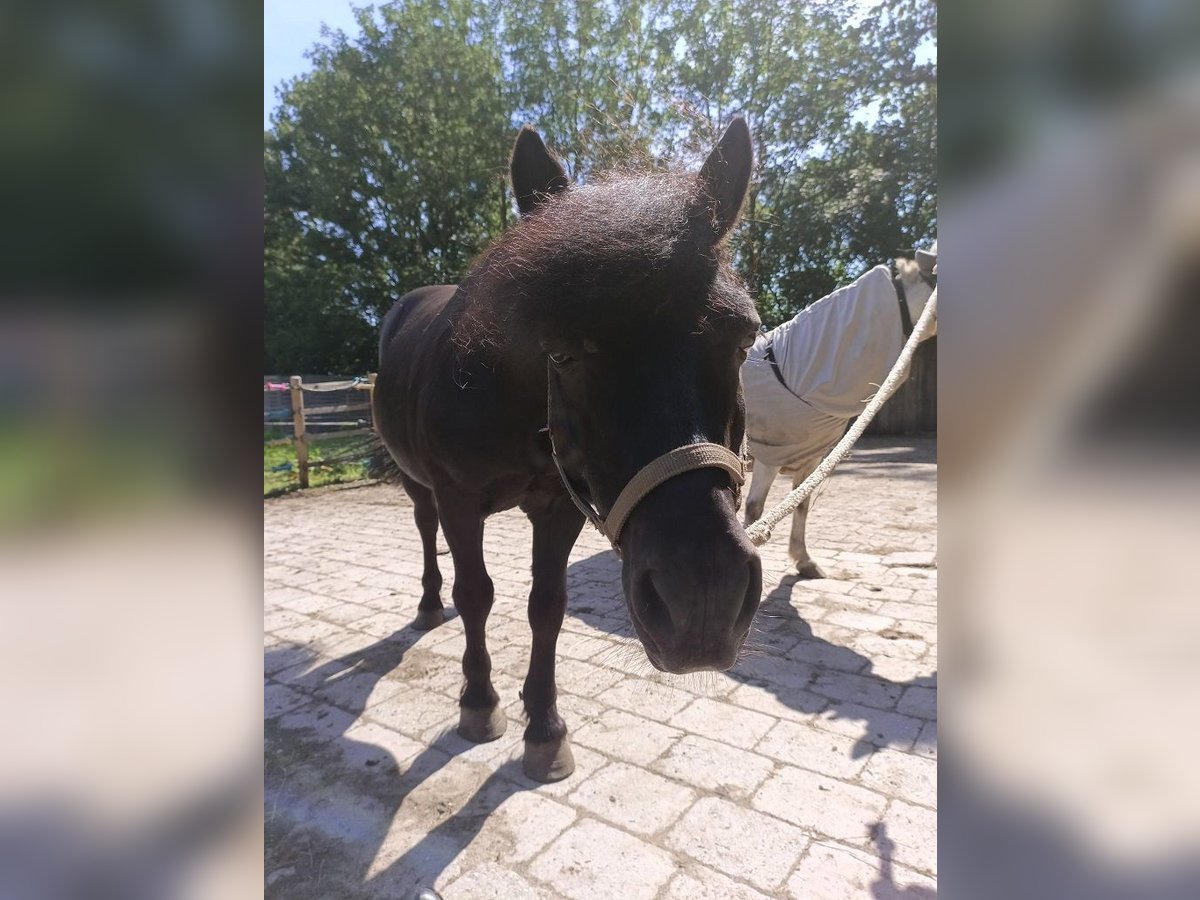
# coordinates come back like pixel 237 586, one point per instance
pixel 599 258
pixel 908 270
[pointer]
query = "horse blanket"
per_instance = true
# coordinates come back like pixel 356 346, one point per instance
pixel 833 356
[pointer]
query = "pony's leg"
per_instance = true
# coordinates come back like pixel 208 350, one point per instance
pixel 547 751
pixel 805 566
pixel 430 612
pixel 760 485
pixel 481 717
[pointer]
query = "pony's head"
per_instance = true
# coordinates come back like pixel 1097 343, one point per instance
pixel 624 294
pixel 916 276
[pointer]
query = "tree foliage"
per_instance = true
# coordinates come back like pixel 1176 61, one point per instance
pixel 386 164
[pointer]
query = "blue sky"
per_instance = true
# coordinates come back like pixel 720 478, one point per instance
pixel 290 27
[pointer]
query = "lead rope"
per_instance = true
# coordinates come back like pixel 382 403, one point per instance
pixel 760 531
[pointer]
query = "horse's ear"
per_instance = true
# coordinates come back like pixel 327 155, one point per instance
pixel 536 172
pixel 723 182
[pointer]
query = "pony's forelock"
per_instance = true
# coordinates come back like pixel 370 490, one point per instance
pixel 615 252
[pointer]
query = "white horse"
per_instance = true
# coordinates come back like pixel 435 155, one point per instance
pixel 805 380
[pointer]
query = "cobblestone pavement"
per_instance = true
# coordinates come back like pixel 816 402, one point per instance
pixel 807 771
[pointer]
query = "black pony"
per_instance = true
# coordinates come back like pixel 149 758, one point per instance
pixel 601 333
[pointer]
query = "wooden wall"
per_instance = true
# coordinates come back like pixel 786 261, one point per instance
pixel 913 408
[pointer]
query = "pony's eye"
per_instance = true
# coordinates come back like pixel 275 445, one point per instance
pixel 561 359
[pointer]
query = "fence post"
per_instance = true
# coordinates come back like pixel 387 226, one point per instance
pixel 297 392
pixel 371 396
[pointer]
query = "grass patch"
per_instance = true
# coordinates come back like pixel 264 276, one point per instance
pixel 327 462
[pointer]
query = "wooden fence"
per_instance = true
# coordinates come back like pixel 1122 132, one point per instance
pixel 301 413
pixel 911 410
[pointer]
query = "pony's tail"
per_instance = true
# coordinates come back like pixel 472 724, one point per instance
pixel 380 464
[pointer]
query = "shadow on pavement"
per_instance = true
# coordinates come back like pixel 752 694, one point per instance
pixel 775 661
pixel 777 623
pixel 333 801
pixel 886 888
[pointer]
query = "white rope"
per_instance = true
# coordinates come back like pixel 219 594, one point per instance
pixel 760 531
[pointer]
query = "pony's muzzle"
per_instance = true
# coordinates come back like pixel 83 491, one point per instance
pixel 696 618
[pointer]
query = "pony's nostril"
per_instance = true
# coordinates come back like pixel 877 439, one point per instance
pixel 652 609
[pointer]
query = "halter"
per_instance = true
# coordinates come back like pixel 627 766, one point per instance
pixel 906 321
pixel 660 469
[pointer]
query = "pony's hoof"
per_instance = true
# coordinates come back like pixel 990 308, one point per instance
pixel 809 570
pixel 428 619
pixel 551 761
pixel 481 725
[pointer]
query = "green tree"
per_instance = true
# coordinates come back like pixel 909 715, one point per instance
pixel 386 165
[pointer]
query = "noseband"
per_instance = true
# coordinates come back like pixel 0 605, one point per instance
pixel 660 469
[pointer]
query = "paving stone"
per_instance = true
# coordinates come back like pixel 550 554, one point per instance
pixel 638 695
pixel 832 872
pixel 739 842
pixel 318 721
pixel 916 558
pixel 593 860
pixel 295 599
pixel 926 744
pixel 492 880
pixel 701 883
pixel 278 699
pixel 346 613
pixel 715 767
pixel 632 798
pixel 369 746
pixel 879 592
pixel 416 713
pixel 863 689
pixel 358 691
pixel 860 621
pixel 870 725
pixel 723 722
pixel 278 618
pixel 313 632
pixel 585 678
pixel 629 659
pixel 627 737
pixel 913 611
pixel 875 646
pixel 699 684
pixel 823 655
pixel 904 775
pixel 809 748
pixel 904 672
pixel 849 702
pixel 914 831
pixel 867 602
pixel 780 703
pixel 820 804
pixel 776 672
pixel 581 646
pixel 918 701
pixel 385 624
pixel 920 630
pixel 587 764
pixel 528 821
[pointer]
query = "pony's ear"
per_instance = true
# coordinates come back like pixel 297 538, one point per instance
pixel 723 182
pixel 536 172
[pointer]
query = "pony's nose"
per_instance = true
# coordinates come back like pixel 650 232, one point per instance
pixel 692 578
pixel 694 617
